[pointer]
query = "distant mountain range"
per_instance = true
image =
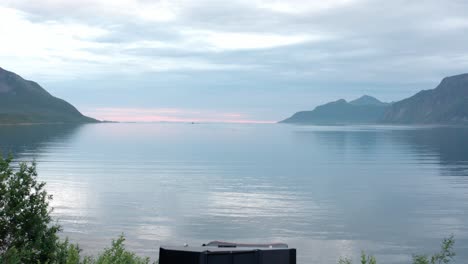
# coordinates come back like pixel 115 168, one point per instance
pixel 363 110
pixel 23 101
pixel 446 104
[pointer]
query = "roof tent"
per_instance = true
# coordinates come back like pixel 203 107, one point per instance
pixel 228 253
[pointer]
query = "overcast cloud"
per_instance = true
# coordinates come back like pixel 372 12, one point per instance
pixel 230 60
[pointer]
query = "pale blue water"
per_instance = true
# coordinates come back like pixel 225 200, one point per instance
pixel 327 191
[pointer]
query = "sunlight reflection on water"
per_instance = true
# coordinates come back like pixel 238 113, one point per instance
pixel 328 191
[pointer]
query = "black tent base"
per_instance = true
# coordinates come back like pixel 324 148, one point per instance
pixel 226 255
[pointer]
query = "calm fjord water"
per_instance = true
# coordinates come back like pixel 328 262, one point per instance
pixel 328 191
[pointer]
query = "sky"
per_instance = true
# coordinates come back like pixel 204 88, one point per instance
pixel 230 61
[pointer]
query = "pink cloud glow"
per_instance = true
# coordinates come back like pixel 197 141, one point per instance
pixel 170 115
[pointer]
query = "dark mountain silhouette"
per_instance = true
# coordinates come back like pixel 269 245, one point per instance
pixel 446 104
pixel 364 110
pixel 23 101
pixel 368 100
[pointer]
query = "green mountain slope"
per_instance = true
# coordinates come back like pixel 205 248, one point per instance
pixel 446 104
pixel 23 101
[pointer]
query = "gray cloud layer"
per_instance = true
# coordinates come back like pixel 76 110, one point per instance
pixel 251 55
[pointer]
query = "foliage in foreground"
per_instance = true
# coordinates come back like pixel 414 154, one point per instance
pixel 27 232
pixel 364 259
pixel 445 256
pixel 26 229
pixel 117 254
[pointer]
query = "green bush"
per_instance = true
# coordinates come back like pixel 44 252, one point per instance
pixel 27 232
pixel 118 255
pixel 68 253
pixel 365 259
pixel 445 256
